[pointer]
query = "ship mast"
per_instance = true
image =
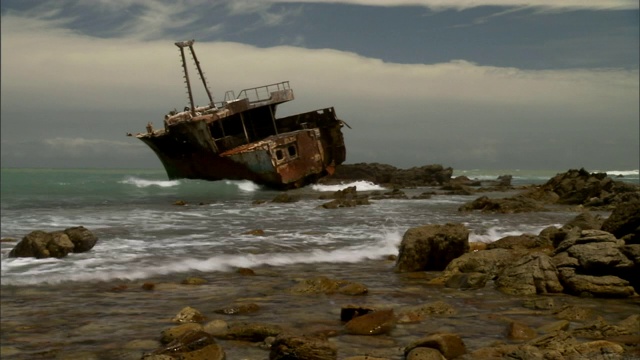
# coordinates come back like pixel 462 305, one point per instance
pixel 182 45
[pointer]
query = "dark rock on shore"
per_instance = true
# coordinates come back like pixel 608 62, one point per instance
pixel 390 176
pixel 58 244
pixel 574 187
pixel 431 247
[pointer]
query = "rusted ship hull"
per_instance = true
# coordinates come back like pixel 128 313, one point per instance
pixel 240 138
pixel 287 160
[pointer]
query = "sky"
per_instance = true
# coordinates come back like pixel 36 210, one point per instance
pixel 468 84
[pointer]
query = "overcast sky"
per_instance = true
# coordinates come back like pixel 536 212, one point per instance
pixel 471 84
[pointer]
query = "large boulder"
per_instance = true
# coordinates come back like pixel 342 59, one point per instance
pixel 624 222
pixel 431 247
pixel 58 244
pixel 530 275
pixel 40 244
pixel 596 263
pixel 83 240
pixel 489 263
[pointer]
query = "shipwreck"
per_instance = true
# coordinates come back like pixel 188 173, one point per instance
pixel 241 138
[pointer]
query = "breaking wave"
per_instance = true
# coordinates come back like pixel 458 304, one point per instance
pixel 143 183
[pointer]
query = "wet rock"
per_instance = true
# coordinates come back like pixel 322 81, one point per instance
pixel 624 222
pixel 418 313
pixel 516 204
pixel 291 347
pixel 189 315
pixel 598 286
pixel 238 309
pixel 597 264
pixel 83 240
pixel 169 335
pixel 520 331
pixel 41 244
pixel 431 247
pixel 325 285
pixel 489 262
pixel 524 241
pixel 256 232
pixel 373 323
pixel 216 327
pixel 352 311
pixel 449 345
pixel 574 313
pixel 465 281
pixel 252 331
pixel 561 325
pixel 540 303
pixel 585 221
pixel 285 198
pixel 424 353
pixel 347 197
pixel 192 345
pixel 574 187
pixel 532 274
pixel 388 175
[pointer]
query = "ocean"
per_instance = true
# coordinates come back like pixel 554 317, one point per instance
pixel 145 236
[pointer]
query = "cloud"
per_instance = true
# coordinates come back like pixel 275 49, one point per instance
pixel 467 4
pixel 457 113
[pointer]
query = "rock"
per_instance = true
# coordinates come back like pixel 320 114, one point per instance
pixel 193 345
pixel 238 309
pixel 465 281
pixel 598 286
pixel 449 345
pixel 325 285
pixel 540 303
pixel 520 331
pixel 516 204
pixel 532 274
pixel 347 197
pixel 595 254
pixel 624 222
pixel 252 331
pixel 431 247
pixel 83 240
pixel 390 176
pixel 575 187
pixel 373 323
pixel 40 244
pixel 58 244
pixel 291 347
pixel 524 241
pixel 175 332
pixel 285 198
pixel 417 313
pixel 217 327
pixel 189 315
pixel 424 353
pixel 585 221
pixel 352 311
pixel 489 262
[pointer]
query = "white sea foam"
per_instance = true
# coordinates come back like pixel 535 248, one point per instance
pixel 244 185
pixel 142 183
pixel 497 232
pixel 360 186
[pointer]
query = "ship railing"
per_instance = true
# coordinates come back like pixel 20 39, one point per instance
pixel 259 93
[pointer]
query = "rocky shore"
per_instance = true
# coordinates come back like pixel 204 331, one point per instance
pixel 569 292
